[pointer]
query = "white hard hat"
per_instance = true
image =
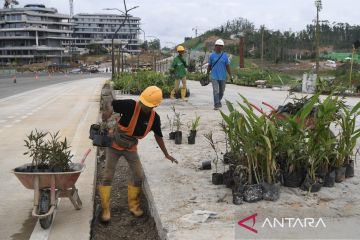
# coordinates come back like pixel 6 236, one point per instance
pixel 219 42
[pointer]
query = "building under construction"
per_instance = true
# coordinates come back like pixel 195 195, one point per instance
pixel 33 34
pixel 37 34
pixel 98 29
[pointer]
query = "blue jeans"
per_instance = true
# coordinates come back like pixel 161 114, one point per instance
pixel 218 91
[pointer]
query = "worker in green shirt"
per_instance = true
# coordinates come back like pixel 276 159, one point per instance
pixel 178 70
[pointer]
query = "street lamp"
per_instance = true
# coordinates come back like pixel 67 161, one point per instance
pixel 117 30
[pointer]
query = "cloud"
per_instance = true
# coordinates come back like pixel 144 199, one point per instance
pixel 172 20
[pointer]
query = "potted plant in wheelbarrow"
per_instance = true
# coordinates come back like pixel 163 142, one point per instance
pixel 193 130
pixel 51 174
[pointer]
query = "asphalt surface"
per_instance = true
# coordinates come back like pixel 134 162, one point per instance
pixel 66 104
pixel 28 81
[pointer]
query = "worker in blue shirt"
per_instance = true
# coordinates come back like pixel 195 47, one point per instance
pixel 219 66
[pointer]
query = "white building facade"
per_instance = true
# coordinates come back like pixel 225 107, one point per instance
pixel 33 34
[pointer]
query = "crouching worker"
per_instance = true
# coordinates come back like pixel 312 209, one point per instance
pixel 137 119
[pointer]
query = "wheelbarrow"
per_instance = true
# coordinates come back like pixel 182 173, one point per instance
pixel 49 187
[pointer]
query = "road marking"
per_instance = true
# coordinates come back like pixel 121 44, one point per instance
pixel 10 117
pixel 24 117
pixel 32 91
pixel 2 121
pixel 8 126
pixel 17 121
pixel 43 234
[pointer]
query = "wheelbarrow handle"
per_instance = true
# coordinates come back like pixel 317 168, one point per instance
pixel 85 155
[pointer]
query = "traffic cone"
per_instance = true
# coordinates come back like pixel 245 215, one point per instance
pixel 14 79
pixel 36 76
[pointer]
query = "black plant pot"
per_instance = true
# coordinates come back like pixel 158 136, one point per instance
pixel 192 136
pixel 191 140
pixel 349 169
pixel 228 158
pixel 178 137
pixel 228 178
pixel 253 193
pixel 238 194
pixel 57 169
pixel 329 179
pixel 206 165
pixel 271 192
pixel 217 178
pixel 311 185
pixel 294 179
pixel 102 141
pixel 321 172
pixel 94 130
pixel 171 135
pixel 193 133
pixel 340 174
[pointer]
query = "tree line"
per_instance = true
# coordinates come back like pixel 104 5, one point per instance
pixel 287 45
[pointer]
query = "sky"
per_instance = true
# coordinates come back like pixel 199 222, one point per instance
pixel 172 20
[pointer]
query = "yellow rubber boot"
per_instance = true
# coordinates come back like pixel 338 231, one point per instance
pixel 104 192
pixel 134 200
pixel 183 94
pixel 172 94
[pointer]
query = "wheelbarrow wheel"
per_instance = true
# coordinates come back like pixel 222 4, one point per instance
pixel 44 207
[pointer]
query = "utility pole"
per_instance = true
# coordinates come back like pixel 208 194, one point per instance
pixel 355 46
pixel 196 31
pixel 71 2
pixel 241 50
pixel 262 46
pixel 318 5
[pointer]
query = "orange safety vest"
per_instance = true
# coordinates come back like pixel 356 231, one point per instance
pixel 129 130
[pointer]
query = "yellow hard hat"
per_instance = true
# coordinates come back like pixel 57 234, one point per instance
pixel 151 96
pixel 180 48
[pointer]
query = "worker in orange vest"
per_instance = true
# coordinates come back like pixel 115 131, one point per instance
pixel 137 119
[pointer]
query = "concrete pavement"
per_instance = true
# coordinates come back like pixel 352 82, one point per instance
pixel 175 192
pixel 69 107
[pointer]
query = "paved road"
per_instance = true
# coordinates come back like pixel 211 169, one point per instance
pixel 68 106
pixel 28 81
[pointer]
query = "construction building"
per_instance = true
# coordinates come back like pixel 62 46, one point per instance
pixel 98 29
pixel 33 34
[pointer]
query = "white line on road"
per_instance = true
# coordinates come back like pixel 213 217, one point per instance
pixel 8 126
pixel 2 121
pixel 10 117
pixel 17 121
pixel 24 117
